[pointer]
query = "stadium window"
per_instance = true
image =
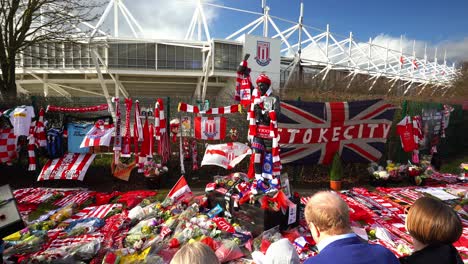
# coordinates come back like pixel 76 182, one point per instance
pixel 27 60
pixel 132 55
pixel 113 53
pixel 179 58
pixel 76 56
pixel 43 55
pixel 171 56
pixel 59 55
pixel 35 55
pixel 102 53
pixel 188 58
pixel 162 56
pixel 123 56
pixel 151 55
pixel 68 55
pixel 141 55
pixel 84 55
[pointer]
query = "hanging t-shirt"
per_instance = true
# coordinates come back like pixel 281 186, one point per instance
pixel 21 118
pixel 405 130
pixel 76 134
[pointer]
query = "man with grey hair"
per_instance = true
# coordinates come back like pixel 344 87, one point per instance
pixel 327 216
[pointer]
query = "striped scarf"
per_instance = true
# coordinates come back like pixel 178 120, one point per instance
pixel 118 136
pixel 160 131
pixel 183 107
pixel 159 119
pixel 137 128
pixel 31 147
pixel 275 150
pixel 39 131
pixel 239 78
pixel 36 138
pixel 126 138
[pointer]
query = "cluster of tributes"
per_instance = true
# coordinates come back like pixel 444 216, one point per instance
pixel 142 227
pixel 72 136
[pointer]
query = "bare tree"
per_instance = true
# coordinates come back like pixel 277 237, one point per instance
pixel 24 23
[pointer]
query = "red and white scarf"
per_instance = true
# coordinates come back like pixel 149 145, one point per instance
pixel 159 119
pixel 39 131
pixel 36 138
pixel 275 149
pixel 118 136
pixel 137 128
pixel 183 107
pixel 97 108
pixel 31 147
pixel 240 77
pixel 126 138
pixel 160 131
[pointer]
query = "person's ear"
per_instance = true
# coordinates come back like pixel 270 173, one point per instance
pixel 315 231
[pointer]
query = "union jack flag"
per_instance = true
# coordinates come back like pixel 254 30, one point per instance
pixel 313 132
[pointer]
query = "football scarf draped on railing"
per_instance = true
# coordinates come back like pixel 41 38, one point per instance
pixel 118 137
pixel 160 131
pixel 31 144
pixel 159 119
pixel 97 108
pixel 36 138
pixel 126 138
pixel 137 128
pixel 184 107
pixel 39 131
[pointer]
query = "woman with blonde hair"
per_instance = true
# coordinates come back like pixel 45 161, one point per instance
pixel 195 253
pixel 434 227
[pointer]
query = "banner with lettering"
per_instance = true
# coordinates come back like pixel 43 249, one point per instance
pixel 311 132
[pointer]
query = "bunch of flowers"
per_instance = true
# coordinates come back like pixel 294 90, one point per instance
pixel 377 172
pixel 153 169
pixel 415 174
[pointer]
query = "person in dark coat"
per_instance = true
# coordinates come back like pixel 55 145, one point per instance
pixel 434 227
pixel 327 216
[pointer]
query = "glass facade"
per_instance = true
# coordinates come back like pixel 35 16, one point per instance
pixel 146 56
pixel 227 56
pixel 55 55
pixel 179 58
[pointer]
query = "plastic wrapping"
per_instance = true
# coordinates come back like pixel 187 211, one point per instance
pixel 228 250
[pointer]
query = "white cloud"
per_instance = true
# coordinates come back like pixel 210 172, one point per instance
pixel 457 51
pixel 160 19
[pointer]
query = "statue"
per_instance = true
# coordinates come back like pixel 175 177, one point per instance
pixel 263 135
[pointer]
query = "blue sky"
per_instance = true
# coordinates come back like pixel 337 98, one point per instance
pixel 441 24
pixel 432 21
